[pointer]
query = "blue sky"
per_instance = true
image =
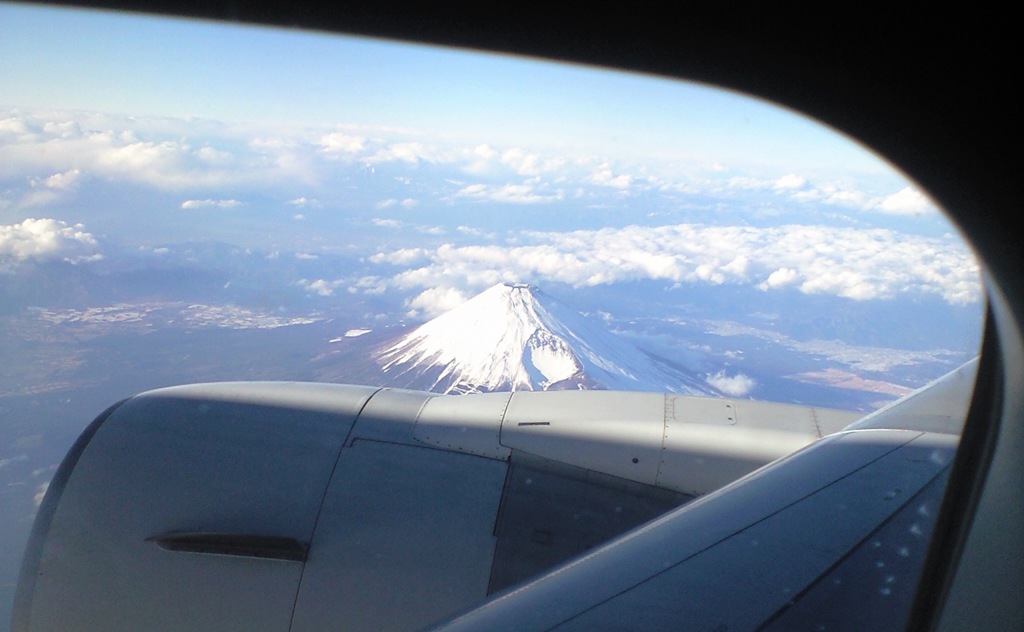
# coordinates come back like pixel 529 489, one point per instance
pixel 115 63
pixel 441 171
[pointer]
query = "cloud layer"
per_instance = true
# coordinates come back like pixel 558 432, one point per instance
pixel 443 220
pixel 47 240
pixel 850 263
pixel 51 152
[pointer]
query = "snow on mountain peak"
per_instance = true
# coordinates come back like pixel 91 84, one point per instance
pixel 515 337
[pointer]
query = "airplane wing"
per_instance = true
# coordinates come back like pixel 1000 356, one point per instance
pixel 294 506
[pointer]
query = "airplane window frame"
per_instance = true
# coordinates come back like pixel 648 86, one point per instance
pixel 990 422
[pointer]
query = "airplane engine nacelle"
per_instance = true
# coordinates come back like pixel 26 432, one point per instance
pixel 291 506
pixel 186 509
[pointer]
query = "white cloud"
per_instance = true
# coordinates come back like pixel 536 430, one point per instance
pixel 54 154
pixel 320 287
pixel 738 266
pixel 155 152
pixel 744 182
pixel 213 156
pixel 193 204
pixel 856 264
pixel 738 385
pixel 840 197
pixel 403 257
pixel 485 159
pixel 604 176
pixel 480 160
pixel 790 181
pixel 46 190
pixel 304 202
pixel 14 126
pixel 521 161
pixel 46 240
pixel 525 162
pixel 410 152
pixel 435 301
pixel 807 195
pixel 369 285
pixel 64 129
pixel 485 151
pixel 846 283
pixel 55 151
pixel 60 181
pixel 139 157
pixel 525 193
pixel 779 278
pixel 907 201
pixel 340 143
pixel 388 203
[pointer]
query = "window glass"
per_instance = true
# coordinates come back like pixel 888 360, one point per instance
pixel 184 201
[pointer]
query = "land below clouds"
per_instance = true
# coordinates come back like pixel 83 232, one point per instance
pixel 128 347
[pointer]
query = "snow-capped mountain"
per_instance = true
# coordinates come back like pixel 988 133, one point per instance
pixel 515 337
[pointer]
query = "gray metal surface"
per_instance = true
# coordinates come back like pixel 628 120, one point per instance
pixel 188 460
pixel 551 512
pixel 322 506
pixel 874 586
pixel 465 423
pixel 812 421
pixel 775 559
pixel 763 520
pixel 691 445
pixel 988 575
pixel 389 415
pixel 698 458
pixel 614 432
pixel 405 538
pixel 710 442
pixel 940 406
